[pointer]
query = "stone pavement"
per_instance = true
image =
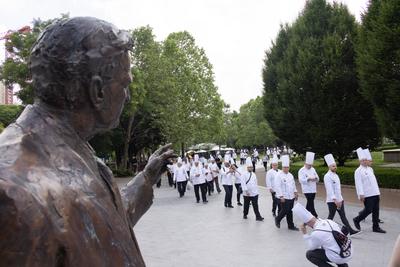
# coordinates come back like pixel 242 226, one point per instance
pixel 180 232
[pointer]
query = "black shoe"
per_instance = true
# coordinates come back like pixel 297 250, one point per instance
pixel 230 206
pixel 198 201
pixel 219 191
pixel 356 224
pixel 245 217
pixel 278 224
pixel 239 204
pixel 354 232
pixel 294 228
pixel 273 214
pixel 379 230
pixel 260 219
pixel 205 201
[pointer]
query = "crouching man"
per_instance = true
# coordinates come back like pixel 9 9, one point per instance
pixel 327 243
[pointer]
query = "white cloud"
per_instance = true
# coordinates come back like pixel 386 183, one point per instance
pixel 234 33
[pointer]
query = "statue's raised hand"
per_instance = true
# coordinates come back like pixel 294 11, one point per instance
pixel 158 162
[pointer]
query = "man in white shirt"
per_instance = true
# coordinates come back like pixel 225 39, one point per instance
pixel 199 181
pixel 334 197
pixel 226 180
pixel 287 193
pixel 215 174
pixel 323 248
pixel 180 177
pixel 209 178
pixel 367 191
pixel 270 182
pixel 250 191
pixel 308 179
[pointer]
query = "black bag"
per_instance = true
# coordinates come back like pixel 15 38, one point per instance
pixel 342 241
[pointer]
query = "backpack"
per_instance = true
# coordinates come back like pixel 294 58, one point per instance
pixel 342 241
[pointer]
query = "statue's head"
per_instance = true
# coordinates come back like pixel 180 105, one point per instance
pixel 83 61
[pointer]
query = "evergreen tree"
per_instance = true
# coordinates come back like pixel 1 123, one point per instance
pixel 378 58
pixel 311 92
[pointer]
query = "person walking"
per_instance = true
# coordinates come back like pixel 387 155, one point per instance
pixel 308 179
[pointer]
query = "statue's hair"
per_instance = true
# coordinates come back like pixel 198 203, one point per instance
pixel 68 53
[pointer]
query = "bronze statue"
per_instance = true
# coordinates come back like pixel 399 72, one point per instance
pixel 59 204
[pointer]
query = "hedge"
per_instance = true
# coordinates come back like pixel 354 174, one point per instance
pixel 387 177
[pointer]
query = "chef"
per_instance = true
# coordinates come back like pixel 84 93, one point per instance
pixel 322 246
pixel 270 182
pixel 308 179
pixel 181 177
pixel 198 179
pixel 226 180
pixel 250 191
pixel 286 192
pixel 367 191
pixel 334 197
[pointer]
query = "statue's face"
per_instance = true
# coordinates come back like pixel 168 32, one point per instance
pixel 116 92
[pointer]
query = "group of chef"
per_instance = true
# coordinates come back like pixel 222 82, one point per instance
pixel 323 247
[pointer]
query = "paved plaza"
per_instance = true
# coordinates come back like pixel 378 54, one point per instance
pixel 180 232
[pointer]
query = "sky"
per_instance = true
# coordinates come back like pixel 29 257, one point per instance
pixel 234 33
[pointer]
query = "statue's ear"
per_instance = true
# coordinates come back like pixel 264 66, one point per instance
pixel 96 93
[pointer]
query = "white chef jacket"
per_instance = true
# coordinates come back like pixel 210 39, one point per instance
pixel 208 174
pixel 238 175
pixel 215 169
pixel 180 174
pixel 285 185
pixel 332 186
pixel 308 186
pixel 325 240
pixel 270 179
pixel 226 178
pixel 366 183
pixel 197 170
pixel 249 184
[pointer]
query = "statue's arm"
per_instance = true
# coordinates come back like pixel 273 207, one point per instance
pixel 137 195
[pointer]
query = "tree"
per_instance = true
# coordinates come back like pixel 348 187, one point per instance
pixel 15 68
pixel 194 109
pixel 311 92
pixel 378 58
pixel 9 113
pixel 252 129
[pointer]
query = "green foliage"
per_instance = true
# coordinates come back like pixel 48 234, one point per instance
pixel 378 58
pixel 252 129
pixel 15 69
pixel 9 113
pixel 386 177
pixel 310 85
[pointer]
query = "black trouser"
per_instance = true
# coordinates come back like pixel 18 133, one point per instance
pixel 217 184
pixel 332 211
pixel 203 188
pixel 159 183
pixel 170 179
pixel 286 210
pixel 210 187
pixel 275 203
pixel 265 165
pixel 228 194
pixel 319 258
pixel 254 203
pixel 254 166
pixel 310 203
pixel 371 205
pixel 182 188
pixel 238 192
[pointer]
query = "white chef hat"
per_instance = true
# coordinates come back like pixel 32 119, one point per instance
pixel 367 154
pixel 211 157
pixel 361 154
pixel 179 160
pixel 285 161
pixel 249 163
pixel 196 158
pixel 329 159
pixel 274 159
pixel 310 158
pixel 227 157
pixel 304 215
